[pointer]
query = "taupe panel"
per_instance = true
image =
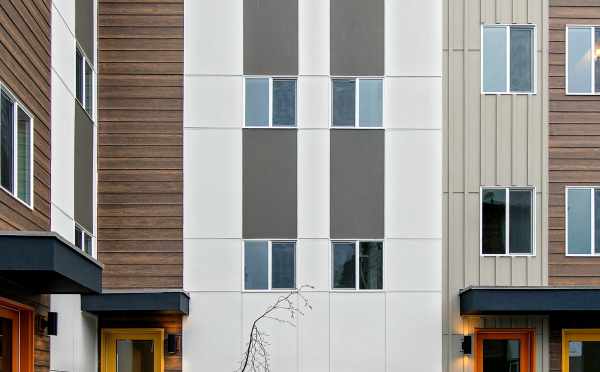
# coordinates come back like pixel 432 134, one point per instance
pixel 84 26
pixel 357 183
pixel 270 183
pixel 357 37
pixel 84 169
pixel 271 37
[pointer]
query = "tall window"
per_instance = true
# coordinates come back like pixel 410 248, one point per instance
pixel 84 80
pixel 508 59
pixel 269 264
pixel 270 102
pixel 363 273
pixel 16 149
pixel 357 103
pixel 507 221
pixel 583 64
pixel 583 221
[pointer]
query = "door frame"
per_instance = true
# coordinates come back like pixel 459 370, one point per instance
pixel 13 316
pixel 574 334
pixel 108 348
pixel 22 335
pixel 526 337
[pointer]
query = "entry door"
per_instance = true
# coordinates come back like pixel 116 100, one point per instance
pixel 9 340
pixel 132 350
pixel 505 350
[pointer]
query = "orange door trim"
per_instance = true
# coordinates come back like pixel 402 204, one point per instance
pixel 23 343
pixel 527 345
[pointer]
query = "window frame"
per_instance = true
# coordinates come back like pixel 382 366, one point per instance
pixel 593 49
pixel 270 98
pixel 85 62
pixel 84 232
pixel 356 243
pixel 575 334
pixel 592 221
pixel 269 265
pixel 357 80
pixel 507 219
pixel 527 346
pixel 17 104
pixel 508 27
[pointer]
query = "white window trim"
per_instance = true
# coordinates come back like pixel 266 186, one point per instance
pixel 85 62
pixel 16 106
pixel 592 91
pixel 356 101
pixel 85 232
pixel 592 221
pixel 507 221
pixel 508 26
pixel 270 98
pixel 270 267
pixel 356 288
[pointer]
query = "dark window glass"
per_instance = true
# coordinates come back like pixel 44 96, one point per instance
pixel 371 265
pixel 78 242
pixel 493 221
pixel 256 264
pixel 584 356
pixel 6 345
pixel 87 244
pixel 520 221
pixel 24 156
pixel 343 103
pixel 344 266
pixel 501 356
pixel 135 356
pixel 283 265
pixel 6 142
pixel 79 76
pixel 284 103
pixel 88 88
pixel 521 59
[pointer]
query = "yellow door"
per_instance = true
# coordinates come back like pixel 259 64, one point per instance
pixel 132 350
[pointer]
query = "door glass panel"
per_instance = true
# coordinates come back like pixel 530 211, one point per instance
pixel 5 345
pixel 501 356
pixel 584 356
pixel 135 356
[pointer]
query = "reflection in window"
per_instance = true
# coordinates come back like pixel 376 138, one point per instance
pixel 270 102
pixel 343 102
pixel 256 261
pixel 583 220
pixel 584 356
pixel 280 255
pixel 371 265
pixel 368 274
pixel 284 103
pixel 135 356
pixel 283 265
pixel 521 59
pixel 344 266
pixel 501 355
pixel 366 93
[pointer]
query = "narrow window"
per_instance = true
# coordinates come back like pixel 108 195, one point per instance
pixel 88 88
pixel 357 103
pixel 269 265
pixel 83 240
pixel 84 82
pixel 24 157
pixel 579 59
pixel 79 76
pixel 583 221
pixel 507 216
pixel 7 107
pixel 270 102
pixel 284 103
pixel 366 274
pixel 508 59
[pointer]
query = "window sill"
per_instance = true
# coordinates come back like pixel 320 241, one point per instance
pixel 508 93
pixel 509 255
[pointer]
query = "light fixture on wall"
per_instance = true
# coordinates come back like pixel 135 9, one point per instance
pixel 467 345
pixel 48 324
pixel 172 343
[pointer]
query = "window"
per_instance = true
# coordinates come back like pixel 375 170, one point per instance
pixel 508 59
pixel 270 102
pixel 507 221
pixel 16 148
pixel 357 103
pixel 505 350
pixel 583 64
pixel 581 350
pixel 583 221
pixel 362 274
pixel 83 240
pixel 84 78
pixel 269 264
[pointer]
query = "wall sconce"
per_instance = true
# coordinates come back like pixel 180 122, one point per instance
pixel 50 324
pixel 172 343
pixel 467 345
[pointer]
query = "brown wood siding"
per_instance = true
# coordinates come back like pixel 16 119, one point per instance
pixel 171 324
pixel 140 143
pixel 25 70
pixel 574 144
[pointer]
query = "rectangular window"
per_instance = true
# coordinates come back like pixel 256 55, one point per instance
pixel 83 240
pixel 84 80
pixel 357 103
pixel 505 350
pixel 269 265
pixel 508 59
pixel 581 350
pixel 366 273
pixel 270 102
pixel 582 221
pixel 507 221
pixel 583 60
pixel 16 148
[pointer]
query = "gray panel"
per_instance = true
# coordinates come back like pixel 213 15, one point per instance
pixel 270 183
pixel 84 169
pixel 357 183
pixel 84 26
pixel 357 37
pixel 271 37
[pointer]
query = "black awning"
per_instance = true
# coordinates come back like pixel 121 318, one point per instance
pixel 43 262
pixel 528 300
pixel 172 302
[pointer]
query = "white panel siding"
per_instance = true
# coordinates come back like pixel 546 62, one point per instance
pixel 313 37
pixel 313 101
pixel 414 265
pixel 212 264
pixel 314 342
pixel 413 103
pixel 313 263
pixel 213 101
